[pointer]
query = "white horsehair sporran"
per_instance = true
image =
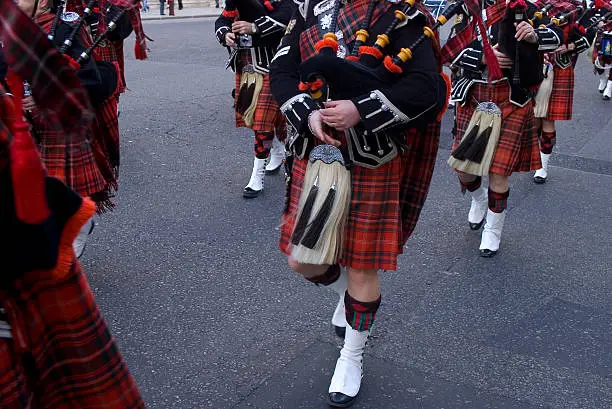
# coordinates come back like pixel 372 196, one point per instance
pixel 542 98
pixel 251 84
pixel 477 148
pixel 323 208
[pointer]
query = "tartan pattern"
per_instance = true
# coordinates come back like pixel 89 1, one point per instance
pixel 562 95
pixel 54 83
pixel 267 117
pixel 263 144
pixel 385 203
pixel 547 141
pixel 360 315
pixel 518 149
pixel 62 354
pixel 349 20
pixel 498 202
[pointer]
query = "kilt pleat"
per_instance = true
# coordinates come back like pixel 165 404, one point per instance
pixel 562 95
pixel 518 149
pixel 385 204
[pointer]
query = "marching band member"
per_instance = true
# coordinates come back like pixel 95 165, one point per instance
pixel 500 65
pixel 599 32
pixel 86 168
pixel 56 350
pixel 361 88
pixel 563 60
pixel 252 31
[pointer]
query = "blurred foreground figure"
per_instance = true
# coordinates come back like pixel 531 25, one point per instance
pixel 56 351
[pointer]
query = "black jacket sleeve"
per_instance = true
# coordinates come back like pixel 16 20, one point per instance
pixel 276 21
pixel 416 97
pixel 284 77
pixel 222 25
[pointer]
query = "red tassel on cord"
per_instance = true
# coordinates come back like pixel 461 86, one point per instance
pixel 230 13
pixel 269 5
pixel 302 86
pixel 352 58
pixel 27 173
pixel 140 50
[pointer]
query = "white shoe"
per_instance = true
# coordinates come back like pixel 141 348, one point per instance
pixel 607 94
pixel 491 235
pixel 346 381
pixel 541 174
pixel 81 239
pixel 277 155
pixel 256 184
pixel 478 209
pixel 603 81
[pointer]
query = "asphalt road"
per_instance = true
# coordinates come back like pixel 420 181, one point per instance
pixel 207 314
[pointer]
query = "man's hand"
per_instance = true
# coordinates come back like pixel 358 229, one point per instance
pixel 525 32
pixel 316 126
pixel 340 115
pixel 504 61
pixel 230 39
pixel 242 27
pixel 28 103
pixel 562 50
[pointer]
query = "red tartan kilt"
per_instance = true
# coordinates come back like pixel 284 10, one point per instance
pixel 267 117
pixel 74 163
pixel 75 361
pixel 518 149
pixel 385 204
pixel 562 96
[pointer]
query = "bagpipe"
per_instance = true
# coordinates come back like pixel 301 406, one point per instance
pixel 324 203
pixel 99 78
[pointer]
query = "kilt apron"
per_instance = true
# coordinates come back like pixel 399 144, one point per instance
pixel 517 150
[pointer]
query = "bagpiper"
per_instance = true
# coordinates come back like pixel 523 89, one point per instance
pixel 360 85
pixel 56 350
pixel 598 26
pixel 252 30
pixel 86 168
pixel 499 58
pixel 563 60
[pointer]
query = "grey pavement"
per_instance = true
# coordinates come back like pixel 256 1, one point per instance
pixel 208 315
pixel 187 12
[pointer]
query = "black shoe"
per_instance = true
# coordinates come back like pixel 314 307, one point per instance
pixel 249 193
pixel 477 226
pixel 601 91
pixel 340 331
pixel 606 98
pixel 486 253
pixel 340 400
pixel 539 180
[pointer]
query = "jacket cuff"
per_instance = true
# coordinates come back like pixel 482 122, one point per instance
pixel 581 44
pixel 378 113
pixel 297 110
pixel 548 40
pixel 469 59
pixel 220 33
pixel 267 25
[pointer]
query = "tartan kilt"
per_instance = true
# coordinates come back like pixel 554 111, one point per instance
pixel 62 354
pixel 267 117
pixel 112 51
pixel 385 204
pixel 106 142
pixel 518 149
pixel 72 162
pixel 562 95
